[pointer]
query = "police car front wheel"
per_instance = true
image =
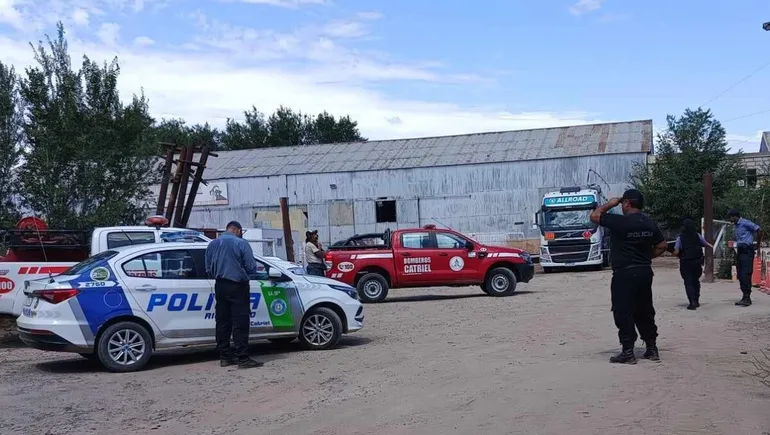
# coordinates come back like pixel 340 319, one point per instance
pixel 321 329
pixel 124 347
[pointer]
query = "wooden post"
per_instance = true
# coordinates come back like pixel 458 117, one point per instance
pixel 708 225
pixel 183 181
pixel 287 229
pixel 197 179
pixel 175 185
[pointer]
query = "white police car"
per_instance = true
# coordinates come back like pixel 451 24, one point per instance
pixel 120 305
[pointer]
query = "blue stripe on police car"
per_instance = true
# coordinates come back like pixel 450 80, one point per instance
pixel 190 302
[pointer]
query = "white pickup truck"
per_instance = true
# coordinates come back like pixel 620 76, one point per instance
pixel 54 257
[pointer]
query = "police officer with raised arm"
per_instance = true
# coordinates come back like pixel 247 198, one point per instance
pixel 635 240
pixel 230 261
pixel 744 246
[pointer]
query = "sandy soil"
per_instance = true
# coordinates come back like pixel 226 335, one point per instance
pixel 434 361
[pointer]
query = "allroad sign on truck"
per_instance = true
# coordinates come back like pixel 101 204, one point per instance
pixel 569 200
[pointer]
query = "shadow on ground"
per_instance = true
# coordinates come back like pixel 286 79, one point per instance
pixel 432 298
pixel 263 351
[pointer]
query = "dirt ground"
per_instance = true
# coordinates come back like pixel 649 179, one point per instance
pixel 434 361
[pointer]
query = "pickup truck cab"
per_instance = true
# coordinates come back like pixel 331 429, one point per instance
pixel 427 257
pixel 38 252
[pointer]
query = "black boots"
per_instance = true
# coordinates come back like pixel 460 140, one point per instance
pixel 692 305
pixel 624 357
pixel 651 353
pixel 744 302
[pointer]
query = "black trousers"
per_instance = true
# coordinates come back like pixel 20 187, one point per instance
pixel 316 269
pixel 745 268
pixel 232 317
pixel 632 308
pixel 691 271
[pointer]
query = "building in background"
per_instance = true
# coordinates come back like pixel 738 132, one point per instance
pixel 485 185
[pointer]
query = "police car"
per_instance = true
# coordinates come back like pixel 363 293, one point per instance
pixel 121 305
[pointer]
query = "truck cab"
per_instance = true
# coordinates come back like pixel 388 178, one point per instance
pixel 568 238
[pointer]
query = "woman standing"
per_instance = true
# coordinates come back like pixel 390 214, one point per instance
pixel 689 248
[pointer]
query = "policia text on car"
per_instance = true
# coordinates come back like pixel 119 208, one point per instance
pixel 634 241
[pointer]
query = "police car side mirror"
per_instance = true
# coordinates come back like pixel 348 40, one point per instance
pixel 469 245
pixel 274 273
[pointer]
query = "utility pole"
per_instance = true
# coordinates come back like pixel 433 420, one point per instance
pixel 287 229
pixel 708 225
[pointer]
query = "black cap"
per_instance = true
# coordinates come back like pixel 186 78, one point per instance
pixel 733 213
pixel 235 224
pixel 635 197
pixel 310 233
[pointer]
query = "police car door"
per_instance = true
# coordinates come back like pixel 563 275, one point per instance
pixel 171 287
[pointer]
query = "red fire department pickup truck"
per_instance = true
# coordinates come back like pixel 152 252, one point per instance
pixel 425 257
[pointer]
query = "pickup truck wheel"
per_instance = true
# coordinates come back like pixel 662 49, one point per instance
pixel 500 282
pixel 124 347
pixel 321 329
pixel 372 288
pixel 547 269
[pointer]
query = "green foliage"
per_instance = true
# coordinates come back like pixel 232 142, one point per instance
pixel 286 127
pixel 11 123
pixel 692 145
pixel 89 159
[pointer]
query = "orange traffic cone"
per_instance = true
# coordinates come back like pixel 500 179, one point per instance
pixel 756 276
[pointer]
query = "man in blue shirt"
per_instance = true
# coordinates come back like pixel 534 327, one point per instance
pixel 230 261
pixel 744 246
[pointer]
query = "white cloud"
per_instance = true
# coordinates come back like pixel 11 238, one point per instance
pixel 80 17
pixel 585 6
pixel 226 69
pixel 289 4
pixel 370 15
pixel 143 41
pixel 108 33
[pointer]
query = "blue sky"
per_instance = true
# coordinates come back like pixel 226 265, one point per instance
pixel 405 69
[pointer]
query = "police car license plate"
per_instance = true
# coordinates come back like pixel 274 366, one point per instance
pixel 569 264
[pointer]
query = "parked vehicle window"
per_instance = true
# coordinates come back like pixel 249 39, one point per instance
pixel 416 240
pixel 164 265
pixel 449 241
pixel 83 265
pixel 127 238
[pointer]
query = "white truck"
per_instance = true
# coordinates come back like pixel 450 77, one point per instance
pixel 36 252
pixel 568 238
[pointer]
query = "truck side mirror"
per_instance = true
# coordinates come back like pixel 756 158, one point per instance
pixel 535 219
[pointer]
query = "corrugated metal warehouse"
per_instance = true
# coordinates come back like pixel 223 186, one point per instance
pixel 479 184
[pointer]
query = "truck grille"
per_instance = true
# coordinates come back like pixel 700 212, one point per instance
pixel 569 251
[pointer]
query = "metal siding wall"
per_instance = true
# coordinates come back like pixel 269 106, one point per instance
pixel 472 198
pixel 218 217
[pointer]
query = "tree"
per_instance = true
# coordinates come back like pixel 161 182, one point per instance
pixel 11 123
pixel 285 127
pixel 177 131
pixel 90 158
pixel 692 145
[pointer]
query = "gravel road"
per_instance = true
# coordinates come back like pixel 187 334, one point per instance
pixel 434 361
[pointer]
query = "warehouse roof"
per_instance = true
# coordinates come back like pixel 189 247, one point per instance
pixel 505 146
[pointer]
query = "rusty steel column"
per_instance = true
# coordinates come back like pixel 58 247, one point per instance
pixel 708 225
pixel 183 181
pixel 287 229
pixel 175 185
pixel 197 179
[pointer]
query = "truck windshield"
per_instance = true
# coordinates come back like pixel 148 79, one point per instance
pixel 567 219
pixel 85 264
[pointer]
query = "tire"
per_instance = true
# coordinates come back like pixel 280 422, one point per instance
pixel 114 358
pixel 372 288
pixel 283 341
pixel 500 282
pixel 321 329
pixel 548 270
pixel 484 287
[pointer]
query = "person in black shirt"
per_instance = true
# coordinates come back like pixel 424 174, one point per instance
pixel 634 241
pixel 689 248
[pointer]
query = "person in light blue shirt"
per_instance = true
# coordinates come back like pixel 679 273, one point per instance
pixel 230 261
pixel 744 246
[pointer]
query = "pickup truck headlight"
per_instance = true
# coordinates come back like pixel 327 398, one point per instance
pixel 347 289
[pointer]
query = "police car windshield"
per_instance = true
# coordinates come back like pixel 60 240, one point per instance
pixel 567 219
pixel 85 264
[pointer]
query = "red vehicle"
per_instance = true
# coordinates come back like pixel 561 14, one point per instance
pixel 425 257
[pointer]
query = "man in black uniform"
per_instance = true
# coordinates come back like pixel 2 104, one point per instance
pixel 635 240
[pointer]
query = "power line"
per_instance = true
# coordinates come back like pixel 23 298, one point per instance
pixel 747 116
pixel 736 84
